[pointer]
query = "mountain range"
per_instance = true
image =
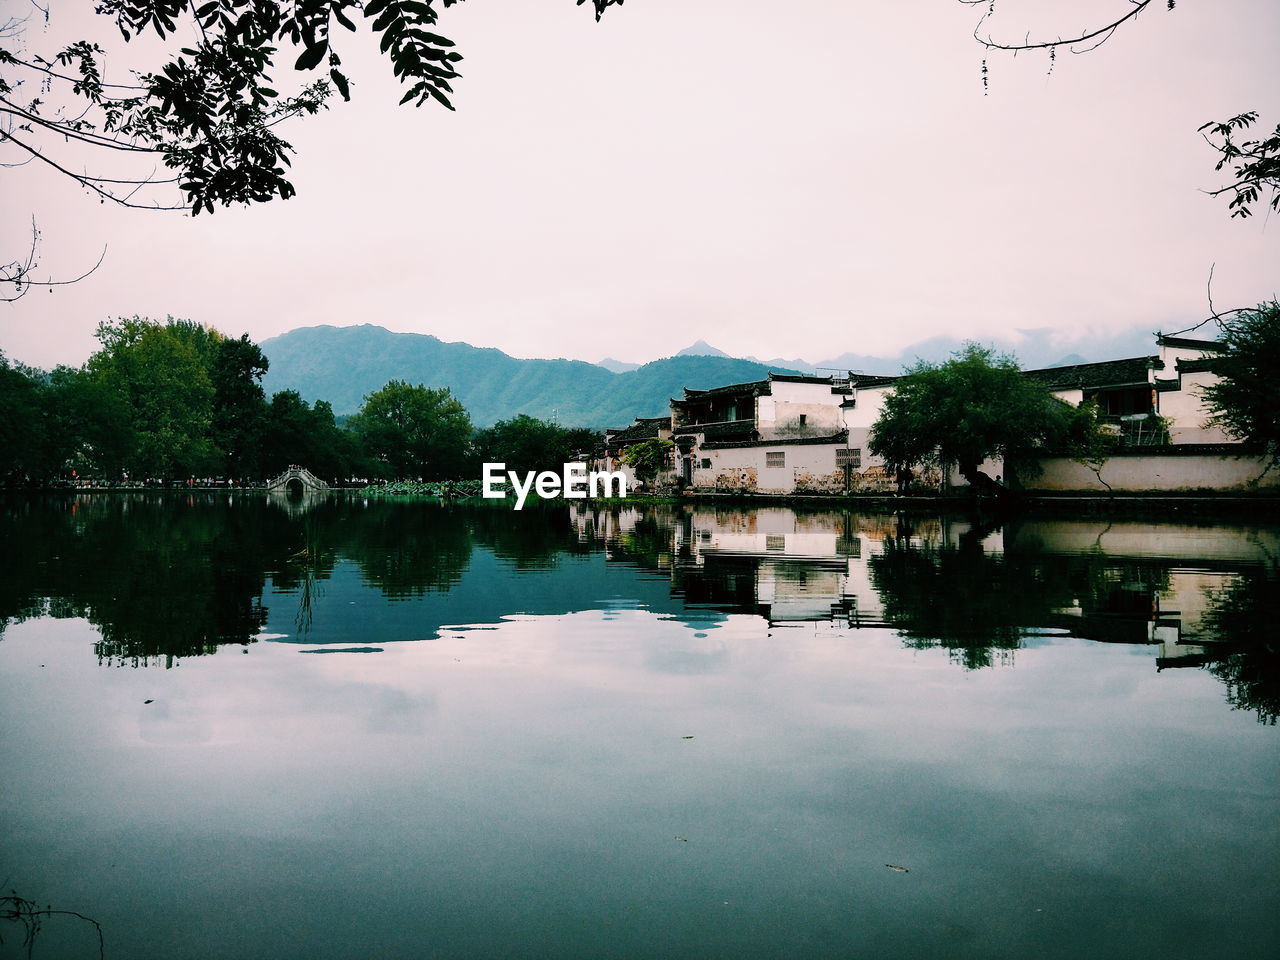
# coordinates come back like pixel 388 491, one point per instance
pixel 344 364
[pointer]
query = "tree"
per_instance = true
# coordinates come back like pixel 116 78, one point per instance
pixel 296 433
pixel 974 407
pixel 526 443
pixel 415 431
pixel 239 405
pixel 20 404
pixel 1255 164
pixel 208 111
pixel 1246 400
pixel 648 457
pixel 160 373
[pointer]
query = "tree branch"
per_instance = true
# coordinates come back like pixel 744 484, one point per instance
pixel 1101 34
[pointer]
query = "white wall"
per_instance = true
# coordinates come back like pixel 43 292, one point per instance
pixel 1188 413
pixel 1169 473
pixel 778 415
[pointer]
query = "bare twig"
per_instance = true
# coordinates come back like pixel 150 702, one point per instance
pixel 88 182
pixel 18 272
pixel 1095 37
pixel 31 915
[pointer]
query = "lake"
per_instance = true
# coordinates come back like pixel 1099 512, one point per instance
pixel 243 726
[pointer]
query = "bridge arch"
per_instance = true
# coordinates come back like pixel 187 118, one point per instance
pixel 297 479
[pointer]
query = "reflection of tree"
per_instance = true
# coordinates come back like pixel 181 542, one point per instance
pixel 956 597
pixel 648 543
pixel 728 584
pixel 973 603
pixel 304 569
pixel 529 545
pixel 159 577
pixel 406 549
pixel 1242 616
pixel 970 602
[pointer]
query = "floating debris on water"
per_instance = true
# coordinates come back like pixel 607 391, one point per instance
pixel 897 869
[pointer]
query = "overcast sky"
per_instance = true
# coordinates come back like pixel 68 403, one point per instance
pixel 800 179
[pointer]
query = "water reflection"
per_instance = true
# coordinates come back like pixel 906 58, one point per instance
pixel 163 578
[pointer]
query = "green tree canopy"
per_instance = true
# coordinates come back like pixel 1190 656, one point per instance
pixel 308 435
pixel 160 373
pixel 526 443
pixel 975 406
pixel 239 405
pixel 648 457
pixel 20 416
pixel 1246 401
pixel 415 431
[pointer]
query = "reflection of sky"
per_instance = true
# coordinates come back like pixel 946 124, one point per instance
pixel 519 790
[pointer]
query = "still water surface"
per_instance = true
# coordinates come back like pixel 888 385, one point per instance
pixel 244 727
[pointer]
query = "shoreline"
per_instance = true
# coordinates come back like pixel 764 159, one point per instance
pixel 1086 501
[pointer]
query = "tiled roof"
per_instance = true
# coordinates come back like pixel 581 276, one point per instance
pixel 1199 365
pixel 645 428
pixel 755 388
pixel 799 378
pixel 871 380
pixel 841 437
pixel 1107 373
pixel 720 431
pixel 1190 343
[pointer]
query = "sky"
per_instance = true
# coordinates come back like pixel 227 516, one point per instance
pixel 781 180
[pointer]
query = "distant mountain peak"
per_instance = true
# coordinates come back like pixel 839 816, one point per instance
pixel 617 366
pixel 701 349
pixel 1070 360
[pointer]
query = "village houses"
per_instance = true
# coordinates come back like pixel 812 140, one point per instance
pixel 790 434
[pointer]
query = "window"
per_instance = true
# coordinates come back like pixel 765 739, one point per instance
pixel 706 463
pixel 775 458
pixel 849 457
pixel 772 542
pixel 804 418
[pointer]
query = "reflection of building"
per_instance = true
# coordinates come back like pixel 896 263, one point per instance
pixel 795 570
pixel 1156 585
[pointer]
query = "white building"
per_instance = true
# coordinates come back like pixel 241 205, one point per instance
pixel 787 434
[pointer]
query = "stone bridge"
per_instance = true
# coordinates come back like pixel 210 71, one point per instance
pixel 298 479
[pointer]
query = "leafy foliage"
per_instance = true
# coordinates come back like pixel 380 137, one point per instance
pixel 238 404
pixel 526 443
pixel 160 373
pixel 1255 164
pixel 296 432
pixel 415 430
pixel 210 109
pixel 1239 617
pixel 973 407
pixel 1246 400
pixel 648 457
